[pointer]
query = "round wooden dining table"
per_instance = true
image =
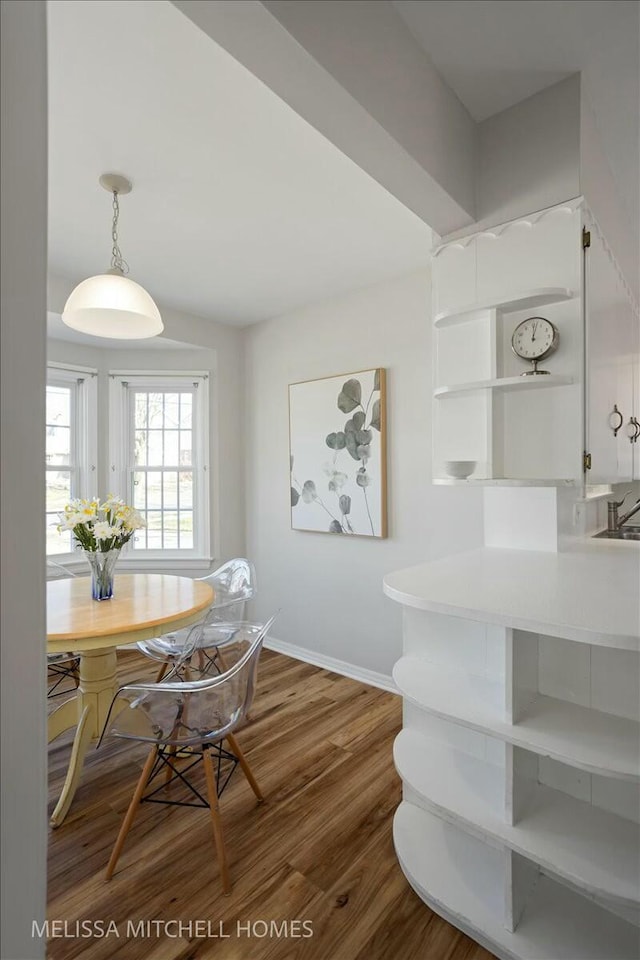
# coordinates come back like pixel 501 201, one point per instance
pixel 144 605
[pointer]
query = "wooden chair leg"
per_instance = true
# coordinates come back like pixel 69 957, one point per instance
pixel 168 772
pixel 235 748
pixel 131 812
pixel 163 670
pixel 216 822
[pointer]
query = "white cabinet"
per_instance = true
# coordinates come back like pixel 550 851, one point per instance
pixel 612 356
pixel 520 752
pixel 518 429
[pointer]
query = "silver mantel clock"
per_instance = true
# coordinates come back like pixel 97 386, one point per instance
pixel 534 340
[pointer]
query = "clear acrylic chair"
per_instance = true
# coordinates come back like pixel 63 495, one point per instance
pixel 61 666
pixel 187 722
pixel 233 584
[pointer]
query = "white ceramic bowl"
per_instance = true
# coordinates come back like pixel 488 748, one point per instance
pixel 460 469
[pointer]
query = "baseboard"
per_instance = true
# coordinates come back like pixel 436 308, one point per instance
pixel 345 669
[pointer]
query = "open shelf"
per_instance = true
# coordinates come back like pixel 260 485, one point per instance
pixel 503 482
pixel 504 383
pixel 531 298
pixel 581 737
pixel 463 880
pixel 578 842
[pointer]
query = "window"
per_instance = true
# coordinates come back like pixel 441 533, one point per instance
pixel 70 451
pixel 160 459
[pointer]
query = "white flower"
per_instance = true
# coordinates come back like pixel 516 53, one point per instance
pixel 68 521
pixel 103 530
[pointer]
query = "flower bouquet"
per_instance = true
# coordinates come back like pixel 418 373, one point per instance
pixel 101 529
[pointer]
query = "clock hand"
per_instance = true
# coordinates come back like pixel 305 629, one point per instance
pixel 533 335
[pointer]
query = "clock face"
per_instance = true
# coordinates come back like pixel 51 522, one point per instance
pixel 534 339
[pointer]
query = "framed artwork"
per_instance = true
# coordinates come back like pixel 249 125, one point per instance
pixel 337 446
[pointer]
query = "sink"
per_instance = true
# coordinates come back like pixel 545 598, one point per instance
pixel 624 533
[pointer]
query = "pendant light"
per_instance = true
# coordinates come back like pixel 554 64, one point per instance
pixel 110 305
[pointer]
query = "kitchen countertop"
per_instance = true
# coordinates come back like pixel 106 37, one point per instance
pixel 589 593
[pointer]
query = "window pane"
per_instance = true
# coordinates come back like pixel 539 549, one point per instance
pixel 156 414
pixel 57 542
pixel 140 491
pixel 155 456
pixel 186 530
pixel 58 406
pixel 186 490
pixel 185 409
pixel 171 448
pixel 154 490
pixel 170 480
pixel 58 490
pixel 171 410
pixel 140 409
pixel 154 530
pixel 58 445
pixel 185 448
pixel 170 530
pixel 140 448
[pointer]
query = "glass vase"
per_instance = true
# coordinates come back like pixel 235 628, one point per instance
pixel 102 572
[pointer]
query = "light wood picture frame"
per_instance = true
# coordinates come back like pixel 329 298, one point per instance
pixel 338 454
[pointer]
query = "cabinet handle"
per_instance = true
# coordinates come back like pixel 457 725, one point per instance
pixel 615 413
pixel 633 422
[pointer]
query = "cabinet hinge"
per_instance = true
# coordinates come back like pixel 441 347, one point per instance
pixel 586 238
pixel 586 461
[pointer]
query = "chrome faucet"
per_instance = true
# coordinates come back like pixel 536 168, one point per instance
pixel 614 522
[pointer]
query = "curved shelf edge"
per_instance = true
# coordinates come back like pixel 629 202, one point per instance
pixel 538 297
pixel 504 383
pixel 550 815
pixel 438 861
pixel 472 702
pixel 503 482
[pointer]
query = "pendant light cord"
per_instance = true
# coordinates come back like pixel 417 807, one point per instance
pixel 117 260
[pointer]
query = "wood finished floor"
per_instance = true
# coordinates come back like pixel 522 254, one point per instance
pixel 320 848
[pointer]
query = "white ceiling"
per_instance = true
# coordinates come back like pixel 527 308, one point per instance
pixel 494 53
pixel 240 210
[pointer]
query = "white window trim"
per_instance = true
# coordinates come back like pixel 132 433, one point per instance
pixel 85 418
pixel 119 445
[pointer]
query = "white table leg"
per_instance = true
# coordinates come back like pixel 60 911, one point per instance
pixel 64 717
pixel 88 709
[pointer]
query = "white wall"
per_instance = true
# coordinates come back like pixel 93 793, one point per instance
pixel 600 190
pixel 24 258
pixel 329 586
pixel 216 347
pixel 356 73
pixel 529 154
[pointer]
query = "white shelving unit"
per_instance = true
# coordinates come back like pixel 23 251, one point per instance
pixel 588 739
pixel 467 882
pixel 523 301
pixel 505 482
pixel 503 383
pixel 520 750
pixel 486 411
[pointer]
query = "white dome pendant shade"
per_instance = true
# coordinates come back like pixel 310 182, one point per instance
pixel 110 305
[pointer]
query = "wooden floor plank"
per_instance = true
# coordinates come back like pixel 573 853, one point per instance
pixel 318 850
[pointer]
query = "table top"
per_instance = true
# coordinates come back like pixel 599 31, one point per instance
pixel 143 606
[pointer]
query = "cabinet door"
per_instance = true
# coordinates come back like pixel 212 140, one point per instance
pixel 609 374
